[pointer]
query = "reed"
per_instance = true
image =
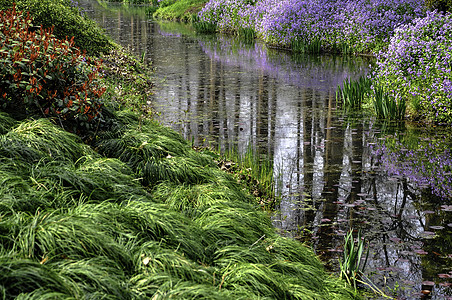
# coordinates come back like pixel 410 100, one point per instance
pixel 313 47
pixel 386 107
pixel 247 34
pixel 201 26
pixel 352 267
pixel 352 93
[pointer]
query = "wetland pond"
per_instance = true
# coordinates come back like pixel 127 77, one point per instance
pixel 334 171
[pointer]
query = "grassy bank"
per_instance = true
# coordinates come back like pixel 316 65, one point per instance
pixel 142 216
pixel 99 201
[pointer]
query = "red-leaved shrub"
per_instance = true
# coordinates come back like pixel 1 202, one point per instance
pixel 42 75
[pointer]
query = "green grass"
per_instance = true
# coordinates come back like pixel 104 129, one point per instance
pixel 353 93
pixel 352 266
pixel 181 10
pixel 77 223
pixel 203 27
pixel 386 107
pixel 313 47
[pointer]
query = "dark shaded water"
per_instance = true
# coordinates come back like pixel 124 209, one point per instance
pixel 334 172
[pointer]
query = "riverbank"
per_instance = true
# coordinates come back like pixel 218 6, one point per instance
pixel 100 201
pixel 410 43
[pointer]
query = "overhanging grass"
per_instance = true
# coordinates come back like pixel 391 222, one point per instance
pixel 76 224
pixel 33 141
pixel 6 122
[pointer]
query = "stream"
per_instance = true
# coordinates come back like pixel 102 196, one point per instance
pixel 333 170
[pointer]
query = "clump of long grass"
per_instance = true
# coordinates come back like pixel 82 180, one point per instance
pixel 19 276
pixel 6 122
pixel 189 198
pixel 40 139
pixel 312 47
pixel 353 92
pixel 76 224
pixel 156 154
pixel 386 107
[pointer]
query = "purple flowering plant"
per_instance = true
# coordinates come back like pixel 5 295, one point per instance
pixel 417 67
pixel 362 25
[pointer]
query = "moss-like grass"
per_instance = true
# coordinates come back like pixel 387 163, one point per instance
pixel 77 223
pixel 181 10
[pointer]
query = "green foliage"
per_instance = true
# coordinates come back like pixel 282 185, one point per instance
pixel 300 46
pixel 6 122
pixel 74 224
pixel 67 21
pixel 201 26
pixel 181 10
pixel 38 140
pixel 352 266
pixel 42 75
pixel 128 82
pixel 352 93
pixel 440 5
pixel 386 107
pixel 251 170
pixel 247 34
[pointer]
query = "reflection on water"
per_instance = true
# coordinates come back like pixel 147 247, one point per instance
pixel 218 91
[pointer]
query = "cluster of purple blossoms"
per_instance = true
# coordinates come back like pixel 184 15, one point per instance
pixel 417 66
pixel 363 25
pixel 228 15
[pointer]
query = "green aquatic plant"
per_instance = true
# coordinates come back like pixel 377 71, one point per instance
pixel 353 92
pixel 202 26
pixel 246 33
pixel 303 46
pixel 352 267
pixel 386 107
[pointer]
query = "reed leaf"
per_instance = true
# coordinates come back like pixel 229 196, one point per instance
pixel 386 107
pixel 352 93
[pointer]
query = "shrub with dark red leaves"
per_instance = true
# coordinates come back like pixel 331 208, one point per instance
pixel 46 76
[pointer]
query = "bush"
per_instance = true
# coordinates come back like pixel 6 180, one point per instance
pixel 417 67
pixel 42 75
pixel 67 21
